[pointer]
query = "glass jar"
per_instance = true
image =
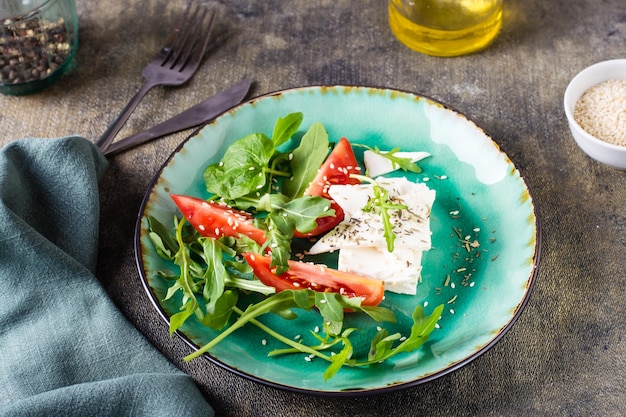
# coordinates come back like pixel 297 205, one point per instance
pixel 445 27
pixel 38 39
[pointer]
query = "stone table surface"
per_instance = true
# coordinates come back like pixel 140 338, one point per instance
pixel 565 356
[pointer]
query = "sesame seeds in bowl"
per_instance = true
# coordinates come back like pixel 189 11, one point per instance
pixel 595 106
pixel 601 111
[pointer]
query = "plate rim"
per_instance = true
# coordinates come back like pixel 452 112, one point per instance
pixel 357 391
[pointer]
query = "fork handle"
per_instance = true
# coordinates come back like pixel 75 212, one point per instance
pixel 113 129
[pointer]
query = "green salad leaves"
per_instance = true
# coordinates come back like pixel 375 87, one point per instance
pixel 254 175
pixel 268 177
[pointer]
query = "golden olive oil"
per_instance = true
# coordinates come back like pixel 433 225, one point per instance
pixel 445 27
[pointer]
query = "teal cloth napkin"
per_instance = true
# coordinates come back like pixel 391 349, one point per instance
pixel 65 349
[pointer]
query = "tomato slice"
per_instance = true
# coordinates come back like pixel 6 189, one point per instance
pixel 336 169
pixel 317 277
pixel 216 219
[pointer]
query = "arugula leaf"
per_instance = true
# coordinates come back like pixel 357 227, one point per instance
pixel 404 164
pixel 285 128
pixel 382 204
pixel 279 235
pixel 341 358
pixel 186 311
pixel 171 291
pixel 303 299
pixel 219 311
pixel 253 285
pixel 263 202
pixel 306 160
pixel 330 306
pixel 243 168
pixel 214 273
pixel 162 239
pixel 378 313
pixel 381 344
pixel 299 214
pixel 304 212
pixel 219 301
pixel 423 325
pixel 186 284
pixel 420 331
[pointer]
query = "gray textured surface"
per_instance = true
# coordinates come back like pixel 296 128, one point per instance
pixel 566 356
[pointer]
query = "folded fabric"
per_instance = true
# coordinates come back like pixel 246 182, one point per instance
pixel 65 349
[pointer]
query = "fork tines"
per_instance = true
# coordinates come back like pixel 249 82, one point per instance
pixel 187 44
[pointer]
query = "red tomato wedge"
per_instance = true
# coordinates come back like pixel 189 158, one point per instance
pixel 335 170
pixel 215 220
pixel 302 275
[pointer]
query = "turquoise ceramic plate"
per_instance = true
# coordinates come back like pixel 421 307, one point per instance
pixel 484 224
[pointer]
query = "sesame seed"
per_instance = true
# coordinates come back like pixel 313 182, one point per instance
pixel 601 111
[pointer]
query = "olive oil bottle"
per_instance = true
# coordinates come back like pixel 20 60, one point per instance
pixel 445 27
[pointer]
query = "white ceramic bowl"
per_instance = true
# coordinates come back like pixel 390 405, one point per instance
pixel 607 153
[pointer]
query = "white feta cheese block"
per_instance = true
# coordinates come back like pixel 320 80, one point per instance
pixel 399 270
pixel 376 164
pixel 359 228
pixel 360 237
pixel 366 229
